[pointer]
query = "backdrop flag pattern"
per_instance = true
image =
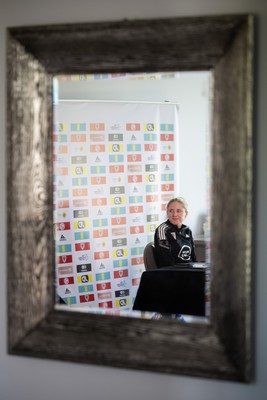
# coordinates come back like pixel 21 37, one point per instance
pixel 115 168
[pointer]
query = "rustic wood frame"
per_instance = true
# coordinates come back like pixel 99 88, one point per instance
pixel 221 349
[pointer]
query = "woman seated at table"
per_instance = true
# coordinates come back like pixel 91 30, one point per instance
pixel 174 243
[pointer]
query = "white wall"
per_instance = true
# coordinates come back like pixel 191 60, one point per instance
pixel 30 379
pixel 191 91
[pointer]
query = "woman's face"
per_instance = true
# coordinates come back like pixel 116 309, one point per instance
pixel 176 213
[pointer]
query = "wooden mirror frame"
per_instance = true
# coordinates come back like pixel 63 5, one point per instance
pixel 221 349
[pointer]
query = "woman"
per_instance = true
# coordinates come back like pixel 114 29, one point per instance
pixel 174 242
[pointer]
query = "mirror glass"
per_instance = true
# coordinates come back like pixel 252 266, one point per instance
pixel 124 145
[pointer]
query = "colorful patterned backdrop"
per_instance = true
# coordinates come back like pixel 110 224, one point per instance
pixel 115 168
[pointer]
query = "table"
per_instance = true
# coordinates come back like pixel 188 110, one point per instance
pixel 171 290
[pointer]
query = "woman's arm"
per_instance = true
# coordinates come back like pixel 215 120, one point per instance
pixel 163 254
pixel 193 254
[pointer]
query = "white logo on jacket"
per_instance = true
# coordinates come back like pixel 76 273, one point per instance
pixel 185 253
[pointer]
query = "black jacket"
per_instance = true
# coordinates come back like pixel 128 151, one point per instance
pixel 173 245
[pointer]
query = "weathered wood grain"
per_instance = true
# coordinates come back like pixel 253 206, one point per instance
pixel 136 46
pixel 232 191
pixel 122 342
pixel 29 187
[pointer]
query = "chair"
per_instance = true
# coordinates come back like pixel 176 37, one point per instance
pixel 149 257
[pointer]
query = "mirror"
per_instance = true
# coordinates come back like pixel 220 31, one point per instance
pixel 94 115
pixel 221 349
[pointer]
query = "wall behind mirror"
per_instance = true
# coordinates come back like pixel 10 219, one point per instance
pixel 191 92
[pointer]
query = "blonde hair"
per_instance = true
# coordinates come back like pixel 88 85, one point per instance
pixel 180 200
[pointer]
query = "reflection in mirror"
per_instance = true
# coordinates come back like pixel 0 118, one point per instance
pixel 124 145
